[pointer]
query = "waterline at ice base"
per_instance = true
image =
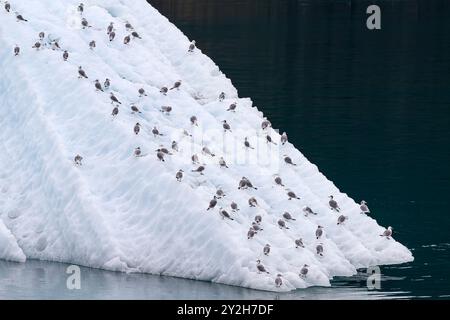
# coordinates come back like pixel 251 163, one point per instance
pixel 183 178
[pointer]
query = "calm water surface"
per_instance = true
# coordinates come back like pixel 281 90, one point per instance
pixel 370 108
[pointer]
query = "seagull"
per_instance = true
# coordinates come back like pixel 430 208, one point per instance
pixel 92 44
pixel 299 243
pixel 16 50
pixel 179 175
pixel 220 194
pixel 256 227
pixel 206 151
pixel 212 203
pixel 141 92
pixel 292 195
pixel 260 267
pixel 247 144
pixel 137 152
pixel 319 232
pixel 282 224
pixel 112 35
pixel 194 159
pixel 164 90
pixel 278 181
pixel 226 126
pixel 176 85
pixel 81 8
pixel 174 145
pixel 319 249
pixel 364 208
pixel 284 138
pixel 160 156
pixel 37 45
pixel 20 17
pixel 232 107
pixel 265 124
pixel 128 26
pixel 304 271
pixel 135 109
pixel 269 139
pixel 387 233
pixel 137 128
pixel 110 28
pixel 194 121
pixel 222 96
pixel 7 6
pixel 155 132
pixel 222 163
pixel 114 99
pixel 278 281
pixel 251 233
pixel 192 46
pixel 84 23
pixel 41 35
pixel 225 214
pixel 107 83
pixel 78 159
pixel 136 35
pixel 266 249
pixel 252 202
pixel 288 160
pixel 98 86
pixel 166 109
pixel 65 55
pixel 333 204
pixel 234 206
pixel 200 170
pixel 341 219
pixel 288 216
pixel 126 40
pixel 258 219
pixel 115 111
pixel 308 210
pixel 81 73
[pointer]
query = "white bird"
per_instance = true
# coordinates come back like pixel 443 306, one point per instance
pixel 364 208
pixel 387 233
pixel 260 267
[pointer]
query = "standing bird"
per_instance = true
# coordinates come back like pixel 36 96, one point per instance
pixel 179 175
pixel 126 40
pixel 364 208
pixel 135 109
pixel 292 195
pixel 265 124
pixel 166 109
pixel 284 138
pixel 55 45
pixel 220 194
pixel 299 243
pixel 200 170
pixel 194 159
pixel 212 203
pixel 98 86
pixel 174 145
pixel 251 233
pixel 222 96
pixel 387 233
pixel 319 232
pixel 222 163
pixel 92 45
pixel 242 184
pixel 37 45
pixel 308 210
pixel 156 132
pixel 226 126
pixel 319 249
pixel 20 17
pixel 282 224
pixel 112 35
pixel 252 202
pixel 260 267
pixel 248 184
pixel 65 55
pixel 137 128
pixel 288 216
pixel 137 152
pixel 128 26
pixel 205 150
pixel 160 156
pixel 135 35
pixel 258 219
pixel 141 92
pixel 256 227
pixel 333 204
pixel 81 8
pixel 107 83
pixel 288 160
pixel 266 249
pixel 194 121
pixel 110 28
pixel 84 23
pixel 176 85
pixel 341 219
pixel 269 139
pixel 41 35
pixel 78 159
pixel 16 50
pixel 278 281
pixel 192 46
pixel 304 271
pixel 81 73
pixel 7 6
pixel 164 90
pixel 114 99
pixel 225 214
pixel 115 111
pixel 278 181
pixel 232 107
pixel 247 144
pixel 234 206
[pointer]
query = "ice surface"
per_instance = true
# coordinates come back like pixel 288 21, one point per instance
pixel 119 212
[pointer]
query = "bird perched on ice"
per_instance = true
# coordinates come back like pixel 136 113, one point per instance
pixel 308 210
pixel 278 281
pixel 92 45
pixel 110 28
pixel 156 132
pixel 205 150
pixel 333 204
pixel 141 92
pixel 135 109
pixel 266 249
pixel 284 138
pixel 107 83
pixel 41 35
pixel 16 50
pixel 252 202
pixel 160 156
pixel 288 160
pixel 126 40
pixel 304 271
pixel 319 232
pixel 112 35
pixel 299 243
pixel 341 219
pixel 176 85
pixel 258 219
pixel 225 214
pixel 222 163
pixel 84 23
pixel 192 46
pixel 232 107
pixel 7 6
pixel 220 194
pixel 114 98
pixel 115 111
pixel 212 203
pixel 260 267
pixel 292 195
pixel 387 233
pixel 234 206
pixel 20 17
pixel 166 109
pixel 226 126
pixel 81 73
pixel 200 170
pixel 222 96
pixel 135 35
pixel 78 159
pixel 80 8
pixel 269 140
pixel 193 120
pixel 37 45
pixel 179 175
pixel 65 55
pixel 265 124
pixel 319 249
pixel 128 26
pixel 256 227
pixel 282 224
pixel 364 208
pixel 137 152
pixel 98 85
pixel 288 216
pixel 194 159
pixel 247 144
pixel 174 145
pixel 278 181
pixel 164 90
pixel 137 128
pixel 251 233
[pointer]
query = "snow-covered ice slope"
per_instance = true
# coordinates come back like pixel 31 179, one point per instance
pixel 126 213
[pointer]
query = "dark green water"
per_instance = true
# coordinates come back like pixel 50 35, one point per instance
pixel 370 108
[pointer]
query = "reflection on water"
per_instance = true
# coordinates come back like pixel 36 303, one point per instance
pixel 47 280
